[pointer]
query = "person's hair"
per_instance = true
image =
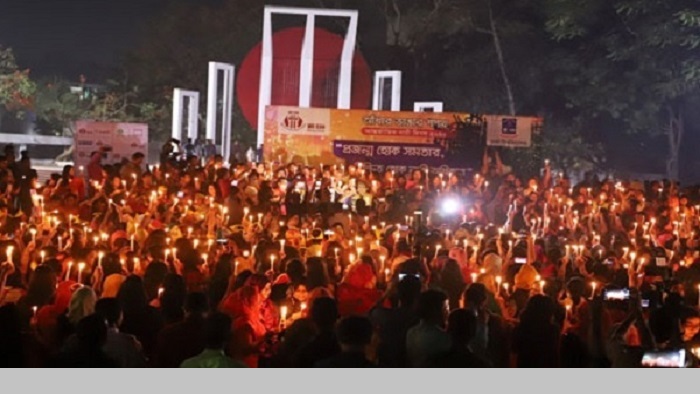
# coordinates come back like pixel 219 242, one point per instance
pixel 430 305
pixel 132 295
pixel 295 270
pixel 475 294
pixel 173 298
pixel 82 303
pixel 409 290
pixel 217 330
pixel 687 314
pixel 576 287
pixel 461 325
pixel 452 281
pixel 354 331
pixel 317 273
pixel 91 331
pixel 324 312
pixel 196 303
pixel 153 278
pixel 109 309
pixel 42 286
pixel 538 312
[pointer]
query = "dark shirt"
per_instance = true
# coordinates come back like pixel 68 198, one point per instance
pixel 345 360
pixel 179 342
pixel 393 327
pixel 322 347
pixel 459 357
pixel 536 347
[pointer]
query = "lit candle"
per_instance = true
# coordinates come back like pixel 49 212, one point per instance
pixel 34 308
pixel 33 232
pixel 10 249
pixel 542 283
pixel 174 253
pixel 283 317
pixel 282 242
pixel 81 267
pixel 474 276
pixel 196 243
pixel 100 256
pixel 387 274
pixel 593 285
pixel 160 292
pixel 499 279
pixel 43 255
pixel 70 265
pixel 272 262
pixel 505 287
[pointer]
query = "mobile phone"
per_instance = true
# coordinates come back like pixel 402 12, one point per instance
pixel 645 303
pixel 222 241
pixel 661 262
pixel 318 183
pixel 665 359
pixel 616 294
pixel 180 194
pixel 403 276
pixel 234 183
pixel 608 262
pixel 520 260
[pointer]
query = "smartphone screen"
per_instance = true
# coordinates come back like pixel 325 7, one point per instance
pixel 665 359
pixel 520 260
pixel 616 295
pixel 661 262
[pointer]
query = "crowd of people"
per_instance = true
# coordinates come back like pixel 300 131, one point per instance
pixel 196 263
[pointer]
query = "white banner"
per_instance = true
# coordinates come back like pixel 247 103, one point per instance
pixel 511 131
pixel 300 121
pixel 115 140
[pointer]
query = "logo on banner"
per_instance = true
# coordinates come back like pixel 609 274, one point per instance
pixel 509 126
pixel 293 121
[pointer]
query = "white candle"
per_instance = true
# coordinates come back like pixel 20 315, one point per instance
pixel 33 232
pixel 67 278
pixel 593 285
pixel 100 256
pixel 81 267
pixel 10 249
pixel 282 242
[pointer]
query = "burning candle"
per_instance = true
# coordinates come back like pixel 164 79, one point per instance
pixel 160 292
pixel 283 317
pixel 387 275
pixel 593 286
pixel 10 249
pixel 282 242
pixel 542 283
pixel 34 308
pixel 474 276
pixel 505 287
pixel 100 256
pixel 43 255
pixel 67 278
pixel 33 232
pixel 81 267
pixel 499 279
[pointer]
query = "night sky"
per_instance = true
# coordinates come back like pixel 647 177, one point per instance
pixel 70 37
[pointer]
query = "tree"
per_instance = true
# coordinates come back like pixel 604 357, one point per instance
pixel 16 89
pixel 634 62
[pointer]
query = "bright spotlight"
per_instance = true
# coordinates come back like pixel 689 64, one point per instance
pixel 450 206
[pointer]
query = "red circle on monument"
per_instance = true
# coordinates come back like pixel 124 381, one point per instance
pixel 285 73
